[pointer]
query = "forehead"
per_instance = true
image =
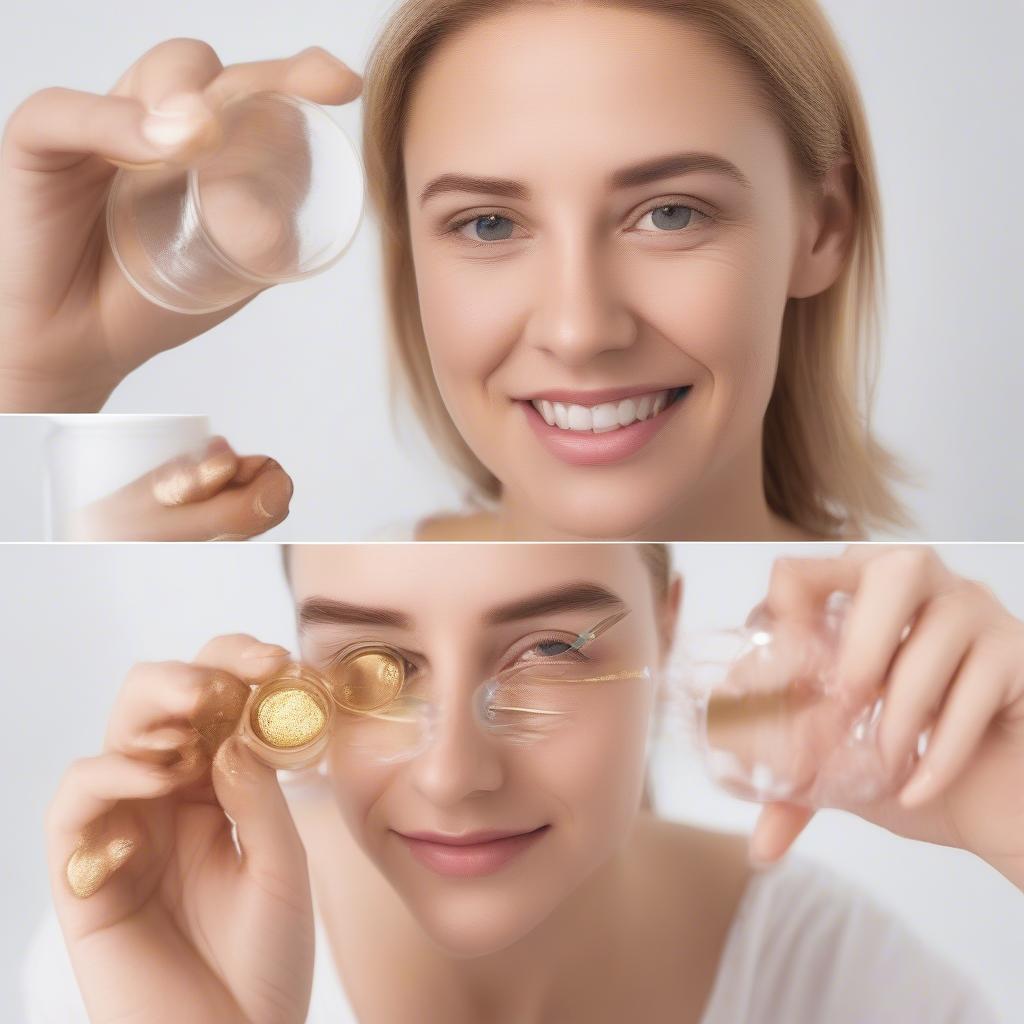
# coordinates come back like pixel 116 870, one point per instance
pixel 520 90
pixel 428 580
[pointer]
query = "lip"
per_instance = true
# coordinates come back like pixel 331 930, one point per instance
pixel 453 856
pixel 585 448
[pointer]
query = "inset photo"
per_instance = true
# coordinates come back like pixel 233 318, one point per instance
pixel 756 783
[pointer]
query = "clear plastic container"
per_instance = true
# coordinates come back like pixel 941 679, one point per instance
pixel 763 707
pixel 90 456
pixel 279 199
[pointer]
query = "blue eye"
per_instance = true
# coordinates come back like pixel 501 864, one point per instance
pixel 492 218
pixel 674 221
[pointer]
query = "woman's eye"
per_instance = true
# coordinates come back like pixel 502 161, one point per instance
pixel 493 228
pixel 672 217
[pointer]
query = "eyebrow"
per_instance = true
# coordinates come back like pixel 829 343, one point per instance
pixel 569 596
pixel 580 595
pixel 316 610
pixel 644 173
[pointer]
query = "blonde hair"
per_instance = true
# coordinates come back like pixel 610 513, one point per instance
pixel 823 468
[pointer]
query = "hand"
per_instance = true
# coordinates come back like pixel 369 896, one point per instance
pixel 163 919
pixel 71 325
pixel 220 496
pixel 959 669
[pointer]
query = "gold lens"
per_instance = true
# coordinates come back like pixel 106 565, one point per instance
pixel 368 679
pixel 288 717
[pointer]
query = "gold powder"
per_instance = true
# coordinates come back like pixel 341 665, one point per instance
pixel 93 862
pixel 369 681
pixel 288 718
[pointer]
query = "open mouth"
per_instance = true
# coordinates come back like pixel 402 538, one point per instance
pixel 607 416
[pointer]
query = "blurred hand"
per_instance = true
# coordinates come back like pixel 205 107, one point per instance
pixel 71 325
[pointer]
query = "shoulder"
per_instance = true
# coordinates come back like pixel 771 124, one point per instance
pixel 49 990
pixel 807 944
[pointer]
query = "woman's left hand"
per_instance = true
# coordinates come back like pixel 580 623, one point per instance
pixel 960 665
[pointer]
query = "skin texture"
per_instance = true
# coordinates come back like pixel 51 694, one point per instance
pixel 183 922
pixel 581 288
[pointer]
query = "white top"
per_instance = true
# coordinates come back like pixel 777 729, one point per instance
pixel 805 947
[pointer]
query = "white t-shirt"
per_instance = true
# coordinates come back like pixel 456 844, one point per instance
pixel 804 947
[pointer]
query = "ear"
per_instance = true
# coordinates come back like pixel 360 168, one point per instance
pixel 826 233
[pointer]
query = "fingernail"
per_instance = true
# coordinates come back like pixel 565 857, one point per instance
pixel 271 500
pixel 175 120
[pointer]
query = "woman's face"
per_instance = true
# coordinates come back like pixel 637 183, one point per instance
pixel 457 615
pixel 573 287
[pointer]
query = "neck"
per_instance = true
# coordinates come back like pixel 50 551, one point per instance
pixel 728 505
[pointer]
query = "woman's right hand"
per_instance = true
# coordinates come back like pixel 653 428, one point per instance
pixel 71 325
pixel 163 918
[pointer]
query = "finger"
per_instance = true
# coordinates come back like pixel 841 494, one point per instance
pixel 979 691
pixel 55 128
pixel 313 73
pixel 168 82
pixel 893 587
pixel 162 705
pixel 241 508
pixel 239 511
pixel 922 670
pixel 251 796
pixel 188 478
pixel 777 827
pixel 233 662
pixel 93 785
pixel 799 587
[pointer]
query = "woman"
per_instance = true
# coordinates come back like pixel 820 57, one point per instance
pixel 661 333
pixel 599 911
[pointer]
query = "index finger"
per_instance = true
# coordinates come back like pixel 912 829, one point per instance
pixel 312 73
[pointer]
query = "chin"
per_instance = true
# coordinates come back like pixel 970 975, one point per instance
pixel 601 510
pixel 477 920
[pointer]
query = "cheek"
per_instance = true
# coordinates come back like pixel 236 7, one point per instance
pixel 471 315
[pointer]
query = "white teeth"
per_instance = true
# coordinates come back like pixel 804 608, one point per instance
pixel 604 417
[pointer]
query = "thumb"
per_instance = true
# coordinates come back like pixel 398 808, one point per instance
pixel 249 793
pixel 777 827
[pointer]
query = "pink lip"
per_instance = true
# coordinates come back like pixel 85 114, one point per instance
pixel 585 448
pixel 574 397
pixel 464 860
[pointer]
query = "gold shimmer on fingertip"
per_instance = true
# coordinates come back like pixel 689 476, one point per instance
pixel 216 471
pixel 176 488
pixel 220 707
pixel 94 861
pixel 288 718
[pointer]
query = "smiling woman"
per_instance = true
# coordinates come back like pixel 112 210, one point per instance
pixel 661 322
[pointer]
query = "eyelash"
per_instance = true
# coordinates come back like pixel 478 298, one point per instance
pixel 454 228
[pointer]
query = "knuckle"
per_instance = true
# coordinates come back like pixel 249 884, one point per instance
pixel 187 47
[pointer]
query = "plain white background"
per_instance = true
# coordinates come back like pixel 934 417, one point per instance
pixel 76 617
pixel 300 373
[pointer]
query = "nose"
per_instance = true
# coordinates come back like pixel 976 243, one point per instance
pixel 580 313
pixel 460 759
